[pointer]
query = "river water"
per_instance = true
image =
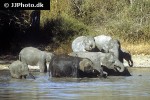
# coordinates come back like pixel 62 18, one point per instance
pixel 135 87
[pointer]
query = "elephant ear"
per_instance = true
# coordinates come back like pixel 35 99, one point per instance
pixel 108 61
pixel 89 43
pixel 49 56
pixel 114 42
pixel 85 43
pixel 83 64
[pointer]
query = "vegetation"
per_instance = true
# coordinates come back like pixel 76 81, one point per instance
pixel 126 20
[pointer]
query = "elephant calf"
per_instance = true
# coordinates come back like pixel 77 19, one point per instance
pixel 83 43
pixel 19 70
pixel 68 66
pixel 35 57
pixel 99 59
pixel 107 44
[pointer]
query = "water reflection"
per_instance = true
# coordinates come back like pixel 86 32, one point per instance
pixel 43 88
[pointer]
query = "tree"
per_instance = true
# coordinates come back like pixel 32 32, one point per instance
pixel 13 24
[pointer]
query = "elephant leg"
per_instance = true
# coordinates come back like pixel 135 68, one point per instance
pixel 105 74
pixel 43 67
pixel 16 76
pixel 24 76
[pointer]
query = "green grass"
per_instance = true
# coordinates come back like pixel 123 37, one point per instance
pixel 128 22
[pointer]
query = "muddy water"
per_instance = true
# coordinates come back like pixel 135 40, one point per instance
pixel 135 87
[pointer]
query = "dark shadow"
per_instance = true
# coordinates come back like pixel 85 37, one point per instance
pixel 112 72
pixel 94 74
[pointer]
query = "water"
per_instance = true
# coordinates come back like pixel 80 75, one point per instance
pixel 135 87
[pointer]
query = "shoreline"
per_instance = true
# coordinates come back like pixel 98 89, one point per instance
pixel 139 61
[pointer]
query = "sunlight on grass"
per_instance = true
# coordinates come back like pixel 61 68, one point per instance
pixel 140 48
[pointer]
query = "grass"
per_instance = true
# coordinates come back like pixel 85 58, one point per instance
pixel 127 21
pixel 136 49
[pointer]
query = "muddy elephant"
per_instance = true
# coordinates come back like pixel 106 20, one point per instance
pixel 99 59
pixel 83 43
pixel 19 70
pixel 107 44
pixel 69 66
pixel 33 56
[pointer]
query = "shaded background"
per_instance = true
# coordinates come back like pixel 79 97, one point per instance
pixel 53 30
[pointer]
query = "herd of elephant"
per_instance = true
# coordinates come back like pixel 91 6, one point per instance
pixel 98 56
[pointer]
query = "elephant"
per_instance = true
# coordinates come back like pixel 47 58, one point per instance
pixel 101 43
pixel 19 70
pixel 99 59
pixel 33 56
pixel 112 72
pixel 83 43
pixel 127 56
pixel 107 44
pixel 69 66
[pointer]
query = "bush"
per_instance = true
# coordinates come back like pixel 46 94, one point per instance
pixel 62 30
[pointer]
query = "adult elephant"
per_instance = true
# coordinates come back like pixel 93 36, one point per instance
pixel 107 44
pixel 19 70
pixel 99 59
pixel 83 43
pixel 69 66
pixel 33 56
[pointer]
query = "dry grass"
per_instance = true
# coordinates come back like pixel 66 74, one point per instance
pixel 136 49
pixel 117 18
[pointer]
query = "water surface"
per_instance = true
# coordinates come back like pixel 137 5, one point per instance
pixel 135 87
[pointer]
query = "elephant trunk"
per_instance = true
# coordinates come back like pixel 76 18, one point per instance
pixel 31 76
pixel 119 66
pixel 130 62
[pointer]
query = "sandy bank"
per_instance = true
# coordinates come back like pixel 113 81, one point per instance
pixel 139 61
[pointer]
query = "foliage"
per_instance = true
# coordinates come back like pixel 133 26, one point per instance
pixel 127 20
pixel 16 19
pixel 63 29
pixel 13 24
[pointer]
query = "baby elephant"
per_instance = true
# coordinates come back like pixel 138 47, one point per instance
pixel 69 66
pixel 35 57
pixel 19 70
pixel 83 43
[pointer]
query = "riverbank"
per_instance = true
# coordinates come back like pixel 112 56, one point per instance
pixel 139 61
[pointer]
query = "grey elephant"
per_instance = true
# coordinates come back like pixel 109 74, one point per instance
pixel 99 59
pixel 83 43
pixel 103 43
pixel 107 44
pixel 33 56
pixel 19 70
pixel 69 66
